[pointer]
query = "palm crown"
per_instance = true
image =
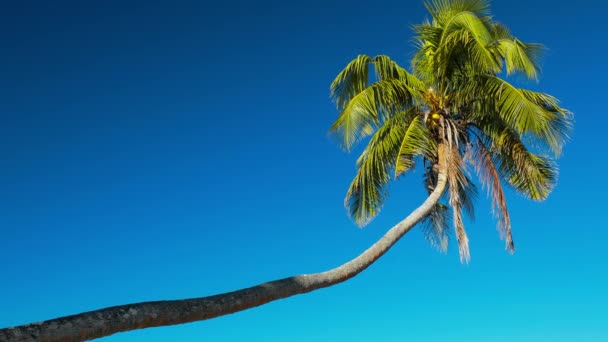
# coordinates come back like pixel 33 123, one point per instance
pixel 453 98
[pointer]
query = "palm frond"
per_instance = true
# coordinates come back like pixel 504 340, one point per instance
pixel 428 40
pixel 561 125
pixel 458 183
pixel 467 192
pixel 443 10
pixel 416 141
pixel 530 174
pixel 367 191
pixel 520 57
pixel 490 178
pixel 366 111
pixel 459 37
pixel 499 31
pixel 352 80
pixel 461 234
pixel 387 69
pixel 525 111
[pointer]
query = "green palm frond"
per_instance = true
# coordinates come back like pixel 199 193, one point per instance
pixel 519 56
pixel 350 81
pixel 459 37
pixel 471 34
pixel 525 111
pixel 416 141
pixel 367 191
pixel 443 10
pixel 499 31
pixel 427 42
pixel 387 69
pixel 530 174
pixel 366 111
pixel 561 124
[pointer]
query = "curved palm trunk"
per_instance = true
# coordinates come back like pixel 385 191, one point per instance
pixel 104 322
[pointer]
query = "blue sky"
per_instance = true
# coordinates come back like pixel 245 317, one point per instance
pixel 163 150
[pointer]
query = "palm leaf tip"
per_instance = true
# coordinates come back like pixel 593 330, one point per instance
pixel 461 234
pixel 463 246
pixel 510 245
pixel 350 81
pixel 416 141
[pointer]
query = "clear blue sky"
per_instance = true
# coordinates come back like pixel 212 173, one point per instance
pixel 172 149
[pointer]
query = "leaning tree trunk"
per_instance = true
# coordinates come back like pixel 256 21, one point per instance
pixel 104 322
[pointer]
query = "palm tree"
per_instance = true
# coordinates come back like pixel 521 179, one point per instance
pixel 451 112
pixel 454 106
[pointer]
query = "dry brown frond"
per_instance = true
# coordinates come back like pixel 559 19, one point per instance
pixel 487 173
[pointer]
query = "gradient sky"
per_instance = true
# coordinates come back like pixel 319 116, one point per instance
pixel 172 149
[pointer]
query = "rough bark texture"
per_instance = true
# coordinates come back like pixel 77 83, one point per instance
pixel 104 322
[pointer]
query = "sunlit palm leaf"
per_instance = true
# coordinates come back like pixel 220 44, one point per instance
pixel 350 81
pixel 416 141
pixel 500 31
pixel 368 109
pixel 561 124
pixel 367 191
pixel 523 110
pixel 471 33
pixel 443 10
pixel 520 57
pixel 530 174
pixel 387 69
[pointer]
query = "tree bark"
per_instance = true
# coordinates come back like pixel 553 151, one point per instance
pixel 108 321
